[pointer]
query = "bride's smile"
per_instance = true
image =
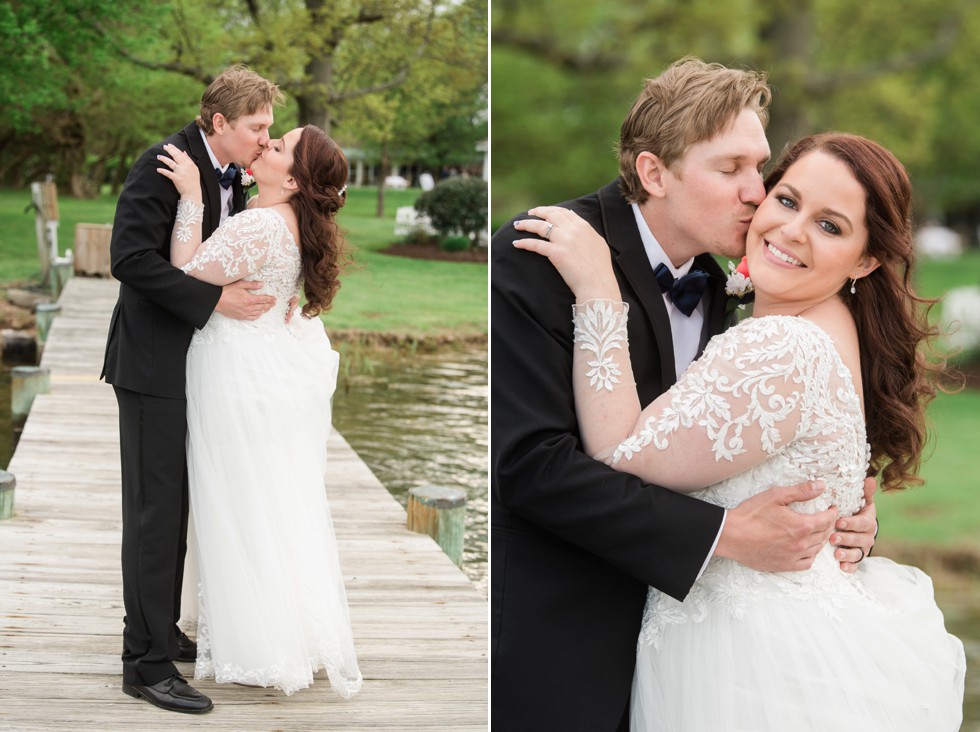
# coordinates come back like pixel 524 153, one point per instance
pixel 807 238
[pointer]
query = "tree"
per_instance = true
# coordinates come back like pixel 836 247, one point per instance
pixel 445 94
pixel 562 90
pixel 323 53
pixel 72 109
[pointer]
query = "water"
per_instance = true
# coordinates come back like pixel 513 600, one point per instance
pixel 6 427
pixel 422 419
pixel 414 419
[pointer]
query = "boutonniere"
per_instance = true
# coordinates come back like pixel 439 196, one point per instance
pixel 247 179
pixel 738 286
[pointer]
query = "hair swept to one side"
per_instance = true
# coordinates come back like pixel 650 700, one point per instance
pixel 899 370
pixel 320 171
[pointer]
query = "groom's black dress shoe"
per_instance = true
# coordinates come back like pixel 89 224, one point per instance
pixel 186 649
pixel 173 694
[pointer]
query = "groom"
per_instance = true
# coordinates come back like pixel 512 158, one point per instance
pixel 574 544
pixel 156 313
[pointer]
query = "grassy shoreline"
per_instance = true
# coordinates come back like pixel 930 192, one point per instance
pixel 395 301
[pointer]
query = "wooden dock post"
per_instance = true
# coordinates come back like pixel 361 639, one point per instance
pixel 440 512
pixel 44 196
pixel 44 313
pixel 7 485
pixel 26 382
pixel 61 269
pixel 92 249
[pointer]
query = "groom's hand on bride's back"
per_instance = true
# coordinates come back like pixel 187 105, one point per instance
pixel 238 303
pixel 766 533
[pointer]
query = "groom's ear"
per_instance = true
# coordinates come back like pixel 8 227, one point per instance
pixel 219 122
pixel 650 169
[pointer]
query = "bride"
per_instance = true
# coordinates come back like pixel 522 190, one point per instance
pixel 824 382
pixel 272 605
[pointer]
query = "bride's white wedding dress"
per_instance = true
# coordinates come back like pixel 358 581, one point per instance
pixel 754 651
pixel 272 605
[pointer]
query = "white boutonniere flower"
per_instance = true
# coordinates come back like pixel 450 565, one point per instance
pixel 738 286
pixel 247 180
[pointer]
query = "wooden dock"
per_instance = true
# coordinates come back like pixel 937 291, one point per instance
pixel 420 627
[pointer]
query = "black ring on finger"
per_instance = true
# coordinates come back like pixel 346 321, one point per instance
pixel 863 555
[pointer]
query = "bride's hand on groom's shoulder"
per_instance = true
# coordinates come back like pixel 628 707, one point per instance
pixel 579 254
pixel 183 171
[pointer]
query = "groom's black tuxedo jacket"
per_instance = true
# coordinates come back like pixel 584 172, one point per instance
pixel 158 306
pixel 574 544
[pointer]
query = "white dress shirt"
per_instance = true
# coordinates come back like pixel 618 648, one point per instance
pixel 685 331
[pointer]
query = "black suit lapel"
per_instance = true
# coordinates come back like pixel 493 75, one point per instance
pixel 714 301
pixel 237 196
pixel 633 267
pixel 209 181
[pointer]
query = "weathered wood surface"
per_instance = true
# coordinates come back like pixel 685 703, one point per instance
pixel 92 249
pixel 420 626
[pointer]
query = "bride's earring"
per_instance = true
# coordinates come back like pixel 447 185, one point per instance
pixel 853 290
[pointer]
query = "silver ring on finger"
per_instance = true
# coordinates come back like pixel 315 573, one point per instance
pixel 547 232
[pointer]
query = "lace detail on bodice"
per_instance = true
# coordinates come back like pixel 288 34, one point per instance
pixel 828 443
pixel 255 245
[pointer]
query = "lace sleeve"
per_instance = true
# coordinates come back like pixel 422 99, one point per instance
pixel 747 397
pixel 237 248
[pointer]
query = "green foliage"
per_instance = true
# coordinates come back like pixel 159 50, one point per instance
pixel 455 244
pixel 561 88
pixel 380 293
pixel 87 85
pixel 456 206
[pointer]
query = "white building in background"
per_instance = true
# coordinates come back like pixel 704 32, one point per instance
pixel 483 148
pixel 934 240
pixel 364 170
pixel 961 317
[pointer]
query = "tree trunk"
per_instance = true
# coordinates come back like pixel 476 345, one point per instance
pixel 313 109
pixel 789 35
pixel 385 168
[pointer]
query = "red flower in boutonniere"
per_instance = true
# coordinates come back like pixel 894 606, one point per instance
pixel 738 286
pixel 247 179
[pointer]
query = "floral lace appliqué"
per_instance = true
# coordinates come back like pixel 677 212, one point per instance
pixel 189 213
pixel 601 330
pixel 830 444
pixel 756 380
pixel 259 244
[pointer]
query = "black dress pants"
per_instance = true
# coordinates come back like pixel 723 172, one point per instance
pixel 152 434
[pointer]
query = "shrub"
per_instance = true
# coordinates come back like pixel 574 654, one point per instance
pixel 456 206
pixel 455 244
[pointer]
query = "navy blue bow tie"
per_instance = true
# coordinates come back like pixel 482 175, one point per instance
pixel 685 292
pixel 228 177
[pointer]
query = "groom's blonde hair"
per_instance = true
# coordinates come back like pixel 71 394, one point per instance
pixel 690 102
pixel 237 92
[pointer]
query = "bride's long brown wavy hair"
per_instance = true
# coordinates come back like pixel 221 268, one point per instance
pixel 320 170
pixel 898 368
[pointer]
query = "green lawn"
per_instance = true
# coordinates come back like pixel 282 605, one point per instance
pixel 944 510
pixel 381 293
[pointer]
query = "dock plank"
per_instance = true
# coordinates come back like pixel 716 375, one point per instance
pixel 420 626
